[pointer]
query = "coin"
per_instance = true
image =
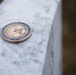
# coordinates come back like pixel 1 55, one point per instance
pixel 16 32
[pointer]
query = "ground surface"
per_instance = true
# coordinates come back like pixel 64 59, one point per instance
pixel 69 38
pixel 1 1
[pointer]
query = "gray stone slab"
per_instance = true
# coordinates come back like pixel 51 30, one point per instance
pixel 28 58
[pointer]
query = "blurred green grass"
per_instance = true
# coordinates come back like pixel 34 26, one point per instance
pixel 69 37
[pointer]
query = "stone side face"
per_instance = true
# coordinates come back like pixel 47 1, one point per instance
pixel 57 31
pixel 48 67
pixel 53 55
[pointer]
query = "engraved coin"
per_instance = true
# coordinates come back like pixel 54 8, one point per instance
pixel 16 32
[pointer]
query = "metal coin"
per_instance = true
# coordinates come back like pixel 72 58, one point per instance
pixel 16 32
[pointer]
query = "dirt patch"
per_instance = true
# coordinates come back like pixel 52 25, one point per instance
pixel 69 37
pixel 1 1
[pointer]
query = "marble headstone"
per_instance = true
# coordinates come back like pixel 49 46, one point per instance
pixel 34 56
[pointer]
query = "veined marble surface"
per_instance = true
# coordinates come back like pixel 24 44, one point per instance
pixel 26 58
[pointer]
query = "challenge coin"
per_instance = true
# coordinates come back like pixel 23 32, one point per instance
pixel 16 32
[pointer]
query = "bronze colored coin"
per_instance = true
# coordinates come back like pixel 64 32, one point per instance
pixel 16 32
